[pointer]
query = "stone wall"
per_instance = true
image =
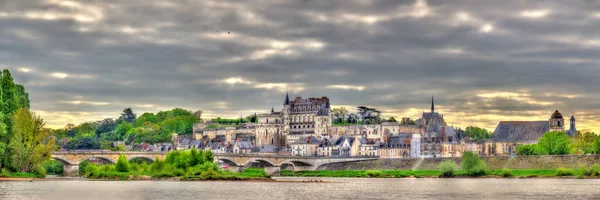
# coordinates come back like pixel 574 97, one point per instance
pixel 496 162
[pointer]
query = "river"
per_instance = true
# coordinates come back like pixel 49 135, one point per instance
pixel 335 188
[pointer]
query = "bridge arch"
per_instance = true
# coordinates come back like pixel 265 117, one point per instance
pixel 63 160
pixel 148 159
pixel 263 161
pixel 300 163
pixel 107 159
pixel 228 161
pixel 288 166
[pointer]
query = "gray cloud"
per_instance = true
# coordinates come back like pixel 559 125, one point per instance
pixel 154 55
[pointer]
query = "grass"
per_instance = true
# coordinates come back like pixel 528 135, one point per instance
pixel 7 174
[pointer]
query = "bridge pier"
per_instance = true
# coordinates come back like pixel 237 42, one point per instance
pixel 272 170
pixel 71 170
pixel 238 169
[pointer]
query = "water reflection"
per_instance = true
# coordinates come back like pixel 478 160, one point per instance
pixel 342 188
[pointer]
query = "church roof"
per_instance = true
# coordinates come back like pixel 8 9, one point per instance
pixel 520 131
pixel 556 115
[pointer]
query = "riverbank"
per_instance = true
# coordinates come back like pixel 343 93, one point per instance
pixel 506 173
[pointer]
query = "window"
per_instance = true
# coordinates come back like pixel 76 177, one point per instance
pixel 267 121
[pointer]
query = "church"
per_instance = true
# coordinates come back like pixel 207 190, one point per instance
pixel 510 134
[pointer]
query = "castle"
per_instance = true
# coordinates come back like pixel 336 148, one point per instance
pixel 299 118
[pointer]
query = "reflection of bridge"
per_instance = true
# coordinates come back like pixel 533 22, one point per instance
pixel 236 162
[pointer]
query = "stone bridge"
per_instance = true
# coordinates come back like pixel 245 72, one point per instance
pixel 71 159
pixel 273 163
pixel 235 162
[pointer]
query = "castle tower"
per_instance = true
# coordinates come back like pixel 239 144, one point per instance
pixel 286 118
pixel 557 122
pixel 432 105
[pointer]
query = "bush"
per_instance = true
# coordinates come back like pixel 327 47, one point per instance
pixel 39 171
pixel 594 170
pixel 90 170
pixel 53 167
pixel 179 172
pixel 374 173
pixel 122 164
pixel 157 166
pixel 447 168
pixel 83 165
pixel 163 175
pixel 4 173
pixel 526 149
pixel 564 172
pixel 473 165
pixel 506 173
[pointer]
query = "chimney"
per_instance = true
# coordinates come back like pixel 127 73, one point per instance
pixel 308 141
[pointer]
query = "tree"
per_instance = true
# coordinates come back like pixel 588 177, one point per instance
pixel 3 144
pixel 472 164
pixel 22 96
pixel 105 126
pixel 128 115
pixel 553 143
pixel 476 133
pixel 392 119
pixel 8 107
pixel 122 164
pixel 122 130
pixel 583 141
pixel 30 143
pixel 198 114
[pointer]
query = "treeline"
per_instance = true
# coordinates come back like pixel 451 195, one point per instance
pixel 24 141
pixel 149 127
pixel 559 143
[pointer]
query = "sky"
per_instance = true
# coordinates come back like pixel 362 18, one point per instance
pixel 483 61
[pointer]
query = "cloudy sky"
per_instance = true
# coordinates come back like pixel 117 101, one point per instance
pixel 484 61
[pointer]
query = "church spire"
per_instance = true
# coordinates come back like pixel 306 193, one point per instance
pixel 432 105
pixel 287 99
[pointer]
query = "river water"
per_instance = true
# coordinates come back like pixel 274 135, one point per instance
pixel 342 188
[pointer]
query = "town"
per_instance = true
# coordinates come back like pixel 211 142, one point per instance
pixel 309 127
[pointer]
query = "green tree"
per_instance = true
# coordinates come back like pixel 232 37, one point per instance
pixel 553 143
pixel 3 145
pixel 477 133
pixel 8 107
pixel 583 141
pixel 122 164
pixel 472 164
pixel 122 130
pixel 128 115
pixel 392 119
pixel 22 96
pixel 30 143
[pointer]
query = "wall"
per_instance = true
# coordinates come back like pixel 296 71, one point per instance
pixel 497 162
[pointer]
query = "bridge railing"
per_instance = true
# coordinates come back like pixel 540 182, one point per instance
pixel 286 156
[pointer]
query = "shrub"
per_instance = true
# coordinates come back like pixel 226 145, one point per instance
pixel 564 172
pixel 163 175
pixel 374 173
pixel 594 170
pixel 53 167
pixel 447 168
pixel 158 165
pixel 4 173
pixel 526 149
pixel 506 173
pixel 122 164
pixel 39 171
pixel 473 165
pixel 178 172
pixel 83 165
pixel 90 170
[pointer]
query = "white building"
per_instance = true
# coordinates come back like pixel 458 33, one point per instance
pixel 415 146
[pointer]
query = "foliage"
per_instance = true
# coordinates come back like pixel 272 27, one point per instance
pixel 39 171
pixel 30 142
pixel 53 167
pixel 594 170
pixel 105 126
pixel 122 164
pixel 448 168
pixel 472 164
pixel 128 115
pixel 477 133
pixel 553 143
pixel 83 165
pixel 564 172
pixel 506 173
pixel 526 149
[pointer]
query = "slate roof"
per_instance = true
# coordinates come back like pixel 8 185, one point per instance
pixel 520 131
pixel 304 140
pixel 245 144
pixel 323 111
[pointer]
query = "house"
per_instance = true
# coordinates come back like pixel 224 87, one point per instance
pixel 266 150
pixel 306 146
pixel 242 147
pixel 396 146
